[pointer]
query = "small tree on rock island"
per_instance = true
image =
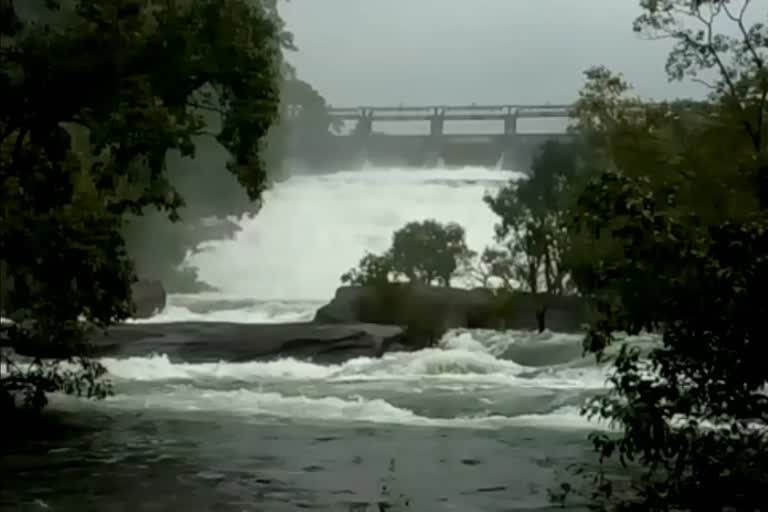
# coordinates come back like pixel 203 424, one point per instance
pixel 430 252
pixel 426 252
pixel 95 94
pixel 373 270
pixel 678 222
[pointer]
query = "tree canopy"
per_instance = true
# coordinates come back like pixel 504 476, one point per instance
pixel 96 93
pixel 530 235
pixel 676 222
pixel 301 130
pixel 426 252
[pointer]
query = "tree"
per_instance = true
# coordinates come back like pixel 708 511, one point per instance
pixel 158 247
pixel 530 234
pixel 430 252
pixel 373 270
pixel 426 252
pixel 678 221
pixel 96 93
pixel 495 267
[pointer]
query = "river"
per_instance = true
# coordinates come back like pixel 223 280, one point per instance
pixel 488 421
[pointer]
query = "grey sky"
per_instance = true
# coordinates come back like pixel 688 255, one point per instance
pixel 368 52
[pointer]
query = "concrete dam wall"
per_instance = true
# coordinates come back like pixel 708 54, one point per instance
pixel 508 149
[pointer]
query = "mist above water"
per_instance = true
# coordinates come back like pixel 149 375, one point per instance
pixel 312 229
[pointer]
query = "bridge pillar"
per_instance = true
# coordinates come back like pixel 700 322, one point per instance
pixel 510 124
pixel 364 125
pixel 434 147
pixel 436 124
pixel 362 135
pixel 509 158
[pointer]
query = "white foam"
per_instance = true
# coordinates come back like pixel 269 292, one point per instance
pixel 431 364
pixel 304 391
pixel 264 313
pixel 312 229
pixel 160 368
pixel 498 342
pixel 256 405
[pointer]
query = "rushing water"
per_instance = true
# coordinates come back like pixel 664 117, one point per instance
pixel 485 422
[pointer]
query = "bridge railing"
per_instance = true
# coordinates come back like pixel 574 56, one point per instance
pixel 452 113
pixel 404 108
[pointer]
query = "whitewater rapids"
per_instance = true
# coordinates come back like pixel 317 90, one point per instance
pixel 474 379
pixel 485 421
pixel 285 262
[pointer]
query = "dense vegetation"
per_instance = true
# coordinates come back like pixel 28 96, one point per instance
pixel 96 95
pixel 677 226
pixel 531 237
pixel 302 129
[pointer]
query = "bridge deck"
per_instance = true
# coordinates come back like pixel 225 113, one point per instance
pixel 391 116
pixel 449 108
pixel 453 138
pixel 446 113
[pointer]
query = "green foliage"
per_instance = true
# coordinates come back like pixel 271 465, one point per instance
pixel 157 246
pixel 531 235
pixel 426 252
pixel 429 252
pixel 96 93
pixel 373 270
pixel 677 225
pixel 701 286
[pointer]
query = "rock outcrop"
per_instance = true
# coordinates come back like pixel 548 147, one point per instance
pixel 148 297
pixel 197 342
pixel 452 307
pixel 436 309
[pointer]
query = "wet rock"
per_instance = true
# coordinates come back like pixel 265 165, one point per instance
pixel 451 307
pixel 220 341
pixel 148 298
pixel 436 309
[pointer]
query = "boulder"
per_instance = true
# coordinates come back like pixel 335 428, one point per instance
pixel 437 309
pixel 453 307
pixel 197 342
pixel 148 298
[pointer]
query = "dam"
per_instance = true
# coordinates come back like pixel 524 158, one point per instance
pixel 373 135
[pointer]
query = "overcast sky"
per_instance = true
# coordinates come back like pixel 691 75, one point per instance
pixel 372 52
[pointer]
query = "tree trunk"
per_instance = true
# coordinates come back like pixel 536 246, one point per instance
pixel 548 271
pixel 541 318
